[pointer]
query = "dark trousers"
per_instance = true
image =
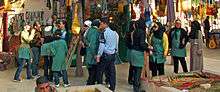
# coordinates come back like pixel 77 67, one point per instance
pixel 57 75
pixel 92 75
pixel 176 64
pixel 107 65
pixel 21 62
pixel 48 61
pixel 36 59
pixel 157 69
pixel 131 74
pixel 137 77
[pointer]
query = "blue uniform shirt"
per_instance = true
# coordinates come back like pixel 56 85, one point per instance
pixel 108 42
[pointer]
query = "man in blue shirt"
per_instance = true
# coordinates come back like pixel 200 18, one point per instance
pixel 106 53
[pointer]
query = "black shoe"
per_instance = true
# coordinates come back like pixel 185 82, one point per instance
pixel 130 82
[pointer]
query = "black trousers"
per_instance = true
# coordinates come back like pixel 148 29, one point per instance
pixel 131 74
pixel 137 77
pixel 157 69
pixel 48 61
pixel 92 75
pixel 107 66
pixel 176 64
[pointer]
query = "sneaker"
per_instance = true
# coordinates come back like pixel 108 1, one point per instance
pixel 29 78
pixel 57 86
pixel 66 85
pixel 35 77
pixel 19 80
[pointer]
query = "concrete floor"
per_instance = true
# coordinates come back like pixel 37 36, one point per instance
pixel 211 63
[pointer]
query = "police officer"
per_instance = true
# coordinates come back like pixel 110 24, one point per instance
pixel 106 53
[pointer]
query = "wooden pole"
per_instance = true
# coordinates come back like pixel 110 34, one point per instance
pixel 5 32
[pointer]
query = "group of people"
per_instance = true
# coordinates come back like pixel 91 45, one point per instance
pixel 157 43
pixel 99 48
pixel 98 40
pixel 51 44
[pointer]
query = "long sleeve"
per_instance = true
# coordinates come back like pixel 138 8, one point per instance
pixel 143 43
pixel 26 37
pixel 101 49
pixel 101 44
pixel 165 43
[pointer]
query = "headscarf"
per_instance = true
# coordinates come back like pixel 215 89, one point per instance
pixel 159 33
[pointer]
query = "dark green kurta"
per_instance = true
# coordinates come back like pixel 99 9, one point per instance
pixel 59 51
pixel 137 58
pixel 158 54
pixel 175 50
pixel 45 49
pixel 92 43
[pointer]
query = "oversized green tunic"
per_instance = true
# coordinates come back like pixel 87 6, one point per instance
pixel 45 49
pixel 175 50
pixel 92 43
pixel 158 54
pixel 137 58
pixel 59 51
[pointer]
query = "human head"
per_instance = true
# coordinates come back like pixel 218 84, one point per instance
pixel 54 17
pixel 207 17
pixel 42 84
pixel 60 24
pixel 96 23
pixel 141 24
pixel 155 26
pixel 104 23
pixel 37 26
pixel 178 23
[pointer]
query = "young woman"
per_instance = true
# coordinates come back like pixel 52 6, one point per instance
pixel 24 53
pixel 159 44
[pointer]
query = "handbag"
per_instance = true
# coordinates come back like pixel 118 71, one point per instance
pixel 83 51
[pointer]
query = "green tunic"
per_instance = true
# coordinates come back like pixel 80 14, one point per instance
pixel 59 51
pixel 158 54
pixel 137 58
pixel 45 49
pixel 24 51
pixel 92 43
pixel 175 50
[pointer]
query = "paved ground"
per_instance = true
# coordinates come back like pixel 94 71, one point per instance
pixel 211 63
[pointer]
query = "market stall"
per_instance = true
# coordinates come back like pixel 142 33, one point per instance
pixel 186 82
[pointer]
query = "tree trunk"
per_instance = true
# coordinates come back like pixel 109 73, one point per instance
pixel 79 64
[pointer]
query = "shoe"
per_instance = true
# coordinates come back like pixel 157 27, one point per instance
pixel 19 80
pixel 35 77
pixel 57 86
pixel 29 78
pixel 130 82
pixel 66 85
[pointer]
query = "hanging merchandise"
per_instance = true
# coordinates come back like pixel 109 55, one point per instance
pixel 170 11
pixel 75 25
pixel 87 10
pixel 162 8
pixel 210 8
pixel 133 14
pixel 49 4
pixel 121 4
pixel 68 3
pixel 147 14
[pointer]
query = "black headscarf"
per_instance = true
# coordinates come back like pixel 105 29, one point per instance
pixel 159 33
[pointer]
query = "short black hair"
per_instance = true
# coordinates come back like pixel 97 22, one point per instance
pixel 41 80
pixel 96 22
pixel 60 20
pixel 35 23
pixel 105 19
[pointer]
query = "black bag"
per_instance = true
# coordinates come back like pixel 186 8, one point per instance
pixel 83 51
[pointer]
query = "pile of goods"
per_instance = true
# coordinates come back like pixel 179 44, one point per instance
pixel 188 80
